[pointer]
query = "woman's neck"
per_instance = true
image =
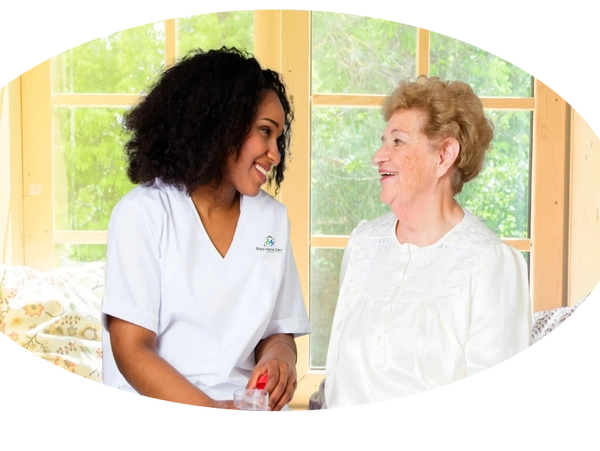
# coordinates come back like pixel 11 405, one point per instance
pixel 425 222
pixel 211 201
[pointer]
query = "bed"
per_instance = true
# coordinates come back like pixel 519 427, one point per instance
pixel 56 315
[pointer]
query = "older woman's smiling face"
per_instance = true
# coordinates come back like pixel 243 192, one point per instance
pixel 407 160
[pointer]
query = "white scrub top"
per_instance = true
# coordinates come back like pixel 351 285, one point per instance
pixel 410 319
pixel 163 273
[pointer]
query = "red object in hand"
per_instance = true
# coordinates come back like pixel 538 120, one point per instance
pixel 262 381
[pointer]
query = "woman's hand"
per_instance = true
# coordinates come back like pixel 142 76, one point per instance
pixel 223 405
pixel 276 357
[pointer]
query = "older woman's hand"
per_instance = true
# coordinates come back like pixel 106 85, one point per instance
pixel 276 357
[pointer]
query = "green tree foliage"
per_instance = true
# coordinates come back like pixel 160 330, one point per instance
pixel 351 54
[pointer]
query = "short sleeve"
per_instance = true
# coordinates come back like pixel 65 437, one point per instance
pixel 500 322
pixel 289 315
pixel 132 291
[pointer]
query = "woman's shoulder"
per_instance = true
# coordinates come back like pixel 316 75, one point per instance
pixel 474 237
pixel 380 226
pixel 264 201
pixel 474 233
pixel 152 198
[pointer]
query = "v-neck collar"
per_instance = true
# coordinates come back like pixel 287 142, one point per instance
pixel 207 239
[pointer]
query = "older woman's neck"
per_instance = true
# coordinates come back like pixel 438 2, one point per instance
pixel 424 223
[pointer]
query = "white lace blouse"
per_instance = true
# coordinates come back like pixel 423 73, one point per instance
pixel 410 319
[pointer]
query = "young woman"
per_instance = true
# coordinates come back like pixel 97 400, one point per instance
pixel 202 293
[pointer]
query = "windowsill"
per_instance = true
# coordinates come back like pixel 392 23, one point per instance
pixel 298 406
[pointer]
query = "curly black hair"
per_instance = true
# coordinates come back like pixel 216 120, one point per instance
pixel 197 114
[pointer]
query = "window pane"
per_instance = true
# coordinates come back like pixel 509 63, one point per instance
pixel 324 284
pixel 488 75
pixel 356 54
pixel 89 166
pixel 499 196
pixel 124 62
pixel 73 255
pixel 344 180
pixel 210 31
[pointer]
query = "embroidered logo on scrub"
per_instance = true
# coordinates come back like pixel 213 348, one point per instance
pixel 269 246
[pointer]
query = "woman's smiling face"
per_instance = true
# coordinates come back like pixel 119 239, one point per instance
pixel 407 160
pixel 259 153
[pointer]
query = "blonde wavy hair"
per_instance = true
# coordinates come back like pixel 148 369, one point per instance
pixel 453 110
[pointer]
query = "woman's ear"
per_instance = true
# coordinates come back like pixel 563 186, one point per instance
pixel 449 150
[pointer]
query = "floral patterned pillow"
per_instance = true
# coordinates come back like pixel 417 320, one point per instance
pixel 56 314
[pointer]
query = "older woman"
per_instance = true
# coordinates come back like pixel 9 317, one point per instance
pixel 429 295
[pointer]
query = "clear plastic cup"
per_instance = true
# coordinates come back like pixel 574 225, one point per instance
pixel 251 399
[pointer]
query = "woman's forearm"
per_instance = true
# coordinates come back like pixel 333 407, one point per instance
pixel 151 375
